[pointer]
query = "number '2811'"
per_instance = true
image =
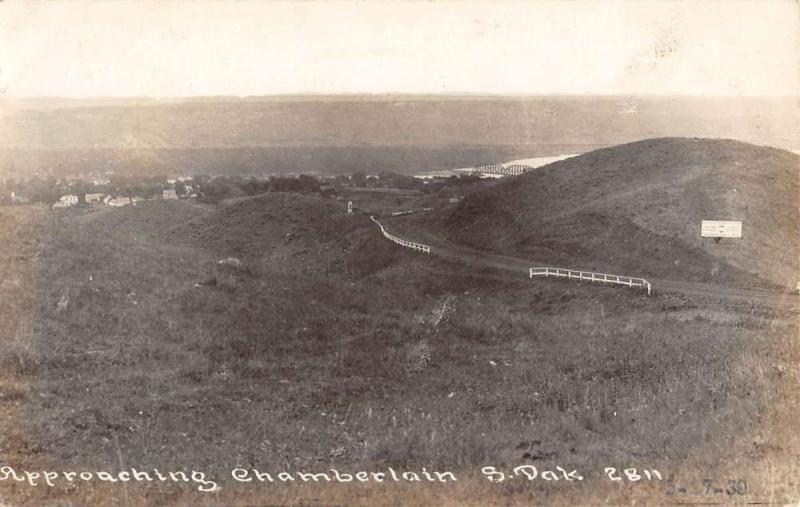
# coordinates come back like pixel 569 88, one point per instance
pixel 632 474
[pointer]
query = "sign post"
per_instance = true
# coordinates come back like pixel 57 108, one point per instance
pixel 720 229
pixel 349 206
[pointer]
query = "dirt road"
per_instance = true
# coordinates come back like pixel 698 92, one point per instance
pixel 447 249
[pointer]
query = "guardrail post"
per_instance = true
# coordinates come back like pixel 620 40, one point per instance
pixel 588 275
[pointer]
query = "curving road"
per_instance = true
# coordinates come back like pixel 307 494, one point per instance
pixel 447 249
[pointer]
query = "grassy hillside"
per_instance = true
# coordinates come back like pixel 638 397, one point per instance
pixel 262 225
pixel 124 349
pixel 145 219
pixel 636 208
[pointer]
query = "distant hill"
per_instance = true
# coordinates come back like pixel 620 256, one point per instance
pixel 390 121
pixel 636 209
pixel 347 134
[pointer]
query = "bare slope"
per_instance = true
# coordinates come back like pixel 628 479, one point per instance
pixel 145 219
pixel 289 231
pixel 636 208
pixel 260 225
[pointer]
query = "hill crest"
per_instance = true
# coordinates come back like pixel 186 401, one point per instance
pixel 637 208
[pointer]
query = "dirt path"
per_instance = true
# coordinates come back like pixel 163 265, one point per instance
pixel 447 249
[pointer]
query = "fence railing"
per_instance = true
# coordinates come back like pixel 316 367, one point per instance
pixel 592 277
pixel 403 242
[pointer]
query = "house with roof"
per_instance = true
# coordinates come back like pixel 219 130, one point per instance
pixel 68 200
pixel 119 202
pixel 93 198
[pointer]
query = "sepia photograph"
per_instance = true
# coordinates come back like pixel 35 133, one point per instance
pixel 399 253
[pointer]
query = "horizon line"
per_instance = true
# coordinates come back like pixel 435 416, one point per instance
pixel 395 95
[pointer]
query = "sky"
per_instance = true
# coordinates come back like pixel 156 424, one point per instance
pixel 202 48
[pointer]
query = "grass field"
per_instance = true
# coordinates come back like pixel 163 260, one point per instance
pixel 126 343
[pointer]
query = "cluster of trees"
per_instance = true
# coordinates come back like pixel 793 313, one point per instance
pixel 129 186
pixel 221 187
pixel 382 180
pixel 404 181
pixel 34 189
pixel 302 183
pixel 451 184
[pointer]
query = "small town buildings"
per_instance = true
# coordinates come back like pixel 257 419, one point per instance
pixel 169 194
pixel 119 202
pixel 94 198
pixel 68 200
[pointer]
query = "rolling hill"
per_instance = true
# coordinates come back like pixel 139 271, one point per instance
pixel 288 232
pixel 286 223
pixel 145 219
pixel 636 209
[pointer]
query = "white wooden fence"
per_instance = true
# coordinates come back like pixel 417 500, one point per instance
pixel 403 242
pixel 547 271
pixel 592 277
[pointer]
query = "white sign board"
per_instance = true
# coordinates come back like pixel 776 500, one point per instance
pixel 349 206
pixel 720 229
